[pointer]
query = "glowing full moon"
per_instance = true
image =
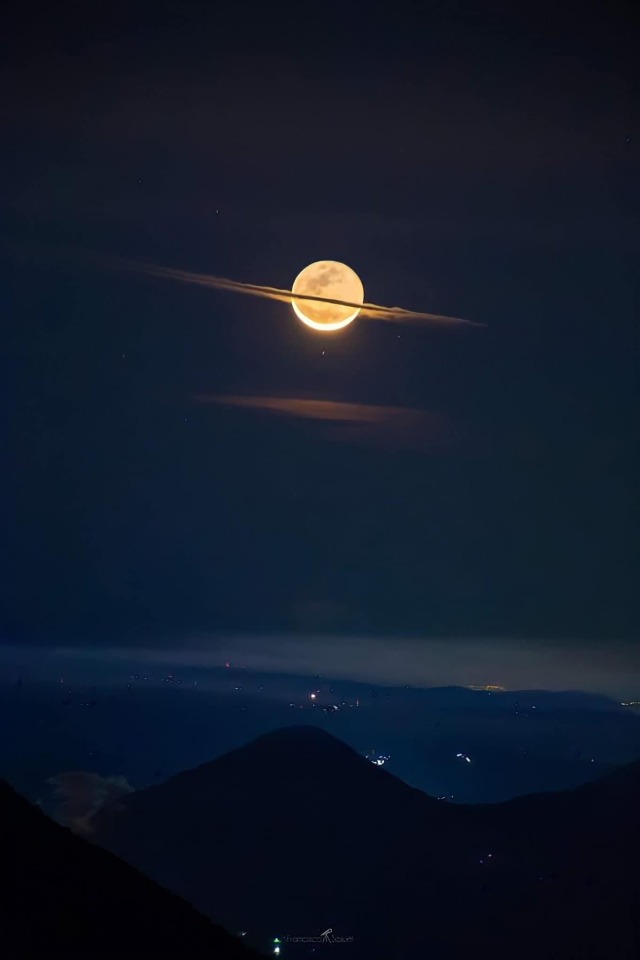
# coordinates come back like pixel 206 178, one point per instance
pixel 333 280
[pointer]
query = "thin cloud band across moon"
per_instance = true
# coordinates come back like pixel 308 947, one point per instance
pixel 326 295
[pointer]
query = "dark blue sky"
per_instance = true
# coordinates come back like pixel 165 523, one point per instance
pixel 462 159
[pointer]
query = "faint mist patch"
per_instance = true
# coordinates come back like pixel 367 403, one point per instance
pixel 81 795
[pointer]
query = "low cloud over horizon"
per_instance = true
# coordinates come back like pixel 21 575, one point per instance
pixel 611 668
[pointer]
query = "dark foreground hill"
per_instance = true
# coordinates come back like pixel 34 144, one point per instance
pixel 295 833
pixel 64 897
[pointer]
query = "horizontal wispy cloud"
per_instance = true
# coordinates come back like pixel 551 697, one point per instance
pixel 372 310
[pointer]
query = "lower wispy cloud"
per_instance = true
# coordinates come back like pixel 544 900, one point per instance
pixel 320 409
pixel 358 421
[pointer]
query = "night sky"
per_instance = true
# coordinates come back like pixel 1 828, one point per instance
pixel 464 159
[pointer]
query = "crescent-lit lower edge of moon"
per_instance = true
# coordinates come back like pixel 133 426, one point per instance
pixel 336 325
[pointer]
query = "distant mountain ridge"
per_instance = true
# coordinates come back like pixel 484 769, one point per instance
pixel 64 897
pixel 568 739
pixel 332 840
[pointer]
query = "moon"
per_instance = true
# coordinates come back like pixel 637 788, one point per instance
pixel 331 279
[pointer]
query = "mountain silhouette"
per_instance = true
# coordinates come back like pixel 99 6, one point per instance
pixel 65 897
pixel 295 833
